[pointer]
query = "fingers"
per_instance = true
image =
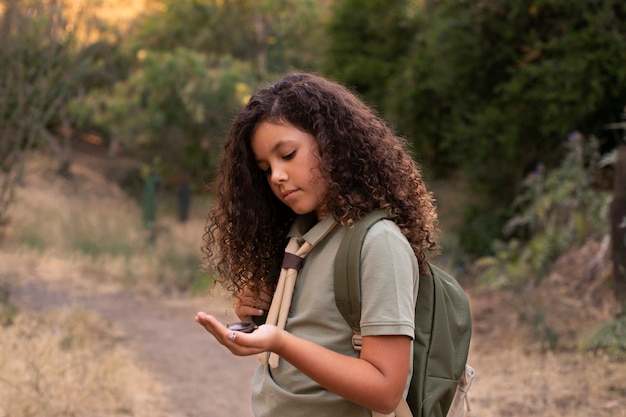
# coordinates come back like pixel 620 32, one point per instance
pixel 266 296
pixel 213 326
pixel 245 313
pixel 249 303
pixel 248 311
pixel 258 301
pixel 221 333
pixel 240 344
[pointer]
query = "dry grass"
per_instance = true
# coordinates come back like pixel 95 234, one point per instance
pixel 512 382
pixel 89 223
pixel 68 363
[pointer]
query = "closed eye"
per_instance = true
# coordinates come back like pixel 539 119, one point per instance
pixel 289 156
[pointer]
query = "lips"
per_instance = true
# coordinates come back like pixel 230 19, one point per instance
pixel 287 194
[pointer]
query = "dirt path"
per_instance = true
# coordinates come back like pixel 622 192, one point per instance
pixel 199 376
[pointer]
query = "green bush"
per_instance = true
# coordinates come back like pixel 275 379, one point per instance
pixel 557 209
pixel 479 227
pixel 609 338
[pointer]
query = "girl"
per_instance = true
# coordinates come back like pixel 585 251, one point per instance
pixel 307 158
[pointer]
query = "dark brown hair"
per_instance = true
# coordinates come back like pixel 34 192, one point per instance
pixel 365 164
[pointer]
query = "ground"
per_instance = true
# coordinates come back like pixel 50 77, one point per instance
pixel 526 346
pixel 200 378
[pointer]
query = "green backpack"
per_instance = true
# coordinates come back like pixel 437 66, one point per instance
pixel 442 324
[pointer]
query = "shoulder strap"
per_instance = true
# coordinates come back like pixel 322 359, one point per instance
pixel 348 282
pixel 348 269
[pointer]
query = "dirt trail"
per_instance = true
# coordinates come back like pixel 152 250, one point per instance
pixel 199 376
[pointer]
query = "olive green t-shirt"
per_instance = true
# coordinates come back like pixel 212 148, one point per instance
pixel 389 283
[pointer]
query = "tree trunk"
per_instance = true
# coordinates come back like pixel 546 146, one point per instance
pixel 618 228
pixel 61 145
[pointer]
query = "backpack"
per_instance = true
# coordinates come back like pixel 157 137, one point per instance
pixel 442 327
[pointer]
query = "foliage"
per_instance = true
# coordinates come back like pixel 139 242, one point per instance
pixel 368 40
pixel 556 209
pixel 189 66
pixel 542 331
pixel 180 101
pixel 272 35
pixel 609 338
pixel 103 62
pixel 45 43
pixel 479 226
pixel 167 88
pixel 485 86
pixel 297 37
pixel 8 311
pixel 490 85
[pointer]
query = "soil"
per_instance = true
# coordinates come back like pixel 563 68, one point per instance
pixel 525 346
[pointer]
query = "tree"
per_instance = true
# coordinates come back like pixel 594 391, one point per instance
pixel 511 79
pixel 180 101
pixel 36 79
pixel 368 40
pixel 492 87
pixel 274 35
pixel 194 64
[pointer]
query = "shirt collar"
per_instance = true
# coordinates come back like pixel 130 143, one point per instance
pixel 309 229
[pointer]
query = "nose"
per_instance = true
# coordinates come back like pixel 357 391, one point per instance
pixel 278 175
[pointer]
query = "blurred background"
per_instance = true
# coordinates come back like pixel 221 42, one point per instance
pixel 113 114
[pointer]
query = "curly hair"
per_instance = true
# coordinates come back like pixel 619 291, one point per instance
pixel 365 164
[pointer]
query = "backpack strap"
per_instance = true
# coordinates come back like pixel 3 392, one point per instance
pixel 348 285
pixel 348 272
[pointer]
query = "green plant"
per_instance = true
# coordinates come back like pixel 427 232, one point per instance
pixel 609 338
pixel 201 283
pixel 177 271
pixel 555 210
pixel 7 310
pixel 548 337
pixel 479 227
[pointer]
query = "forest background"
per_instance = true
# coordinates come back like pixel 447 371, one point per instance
pixel 516 111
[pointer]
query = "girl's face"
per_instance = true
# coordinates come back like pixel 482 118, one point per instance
pixel 289 157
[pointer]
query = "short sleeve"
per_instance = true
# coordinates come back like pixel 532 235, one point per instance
pixel 389 282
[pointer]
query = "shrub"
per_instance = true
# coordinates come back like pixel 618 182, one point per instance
pixel 556 210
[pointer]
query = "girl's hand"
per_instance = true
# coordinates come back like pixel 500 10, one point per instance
pixel 248 303
pixel 264 339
